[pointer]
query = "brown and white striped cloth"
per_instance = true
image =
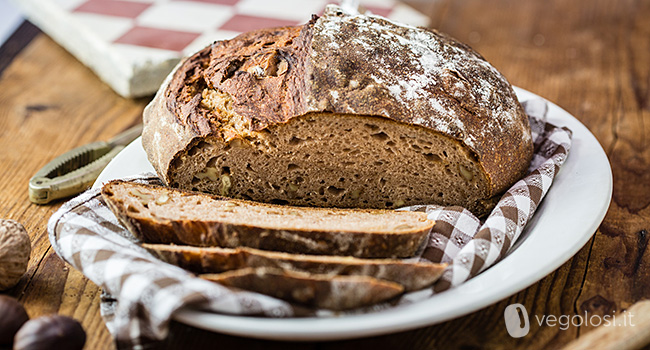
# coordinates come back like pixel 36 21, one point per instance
pixel 142 293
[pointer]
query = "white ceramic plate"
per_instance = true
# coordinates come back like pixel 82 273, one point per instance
pixel 564 222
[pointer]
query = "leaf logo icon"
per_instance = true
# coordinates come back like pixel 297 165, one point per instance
pixel 517 322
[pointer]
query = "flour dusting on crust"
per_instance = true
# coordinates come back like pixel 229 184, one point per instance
pixel 423 75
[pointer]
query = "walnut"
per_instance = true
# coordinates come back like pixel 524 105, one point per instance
pixel 15 248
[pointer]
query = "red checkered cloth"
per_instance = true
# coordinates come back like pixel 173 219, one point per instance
pixel 133 44
pixel 470 247
pixel 142 293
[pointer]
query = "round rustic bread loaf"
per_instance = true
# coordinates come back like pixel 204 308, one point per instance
pixel 347 110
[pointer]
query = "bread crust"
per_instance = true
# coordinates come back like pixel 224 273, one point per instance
pixel 312 290
pixel 213 233
pixel 275 75
pixel 411 275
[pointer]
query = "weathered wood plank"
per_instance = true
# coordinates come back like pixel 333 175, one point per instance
pixel 49 104
pixel 591 58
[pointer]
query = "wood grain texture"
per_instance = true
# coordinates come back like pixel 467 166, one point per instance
pixel 630 330
pixel 588 56
pixel 50 103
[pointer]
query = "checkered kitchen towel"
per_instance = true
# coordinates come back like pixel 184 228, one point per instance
pixel 142 292
pixel 469 246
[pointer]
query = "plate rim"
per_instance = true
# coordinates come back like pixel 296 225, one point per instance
pixel 407 317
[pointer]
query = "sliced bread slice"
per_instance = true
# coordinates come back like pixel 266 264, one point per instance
pixel 312 290
pixel 157 214
pixel 411 275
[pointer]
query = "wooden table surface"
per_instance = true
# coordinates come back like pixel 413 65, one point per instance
pixel 591 57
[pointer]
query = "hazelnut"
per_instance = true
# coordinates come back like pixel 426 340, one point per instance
pixel 257 71
pixel 13 317
pixel 210 173
pixel 15 248
pixel 50 332
pixel 283 66
pixel 225 184
pixel 162 199
pixel 144 198
pixel 466 173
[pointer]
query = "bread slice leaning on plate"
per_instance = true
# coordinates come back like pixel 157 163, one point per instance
pixel 410 275
pixel 311 290
pixel 157 214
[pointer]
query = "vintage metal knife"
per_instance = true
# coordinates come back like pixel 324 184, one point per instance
pixel 77 169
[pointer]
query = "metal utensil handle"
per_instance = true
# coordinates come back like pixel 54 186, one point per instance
pixel 43 189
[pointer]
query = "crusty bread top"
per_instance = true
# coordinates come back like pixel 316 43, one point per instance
pixel 355 64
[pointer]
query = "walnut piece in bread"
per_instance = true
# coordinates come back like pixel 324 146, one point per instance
pixel 347 110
